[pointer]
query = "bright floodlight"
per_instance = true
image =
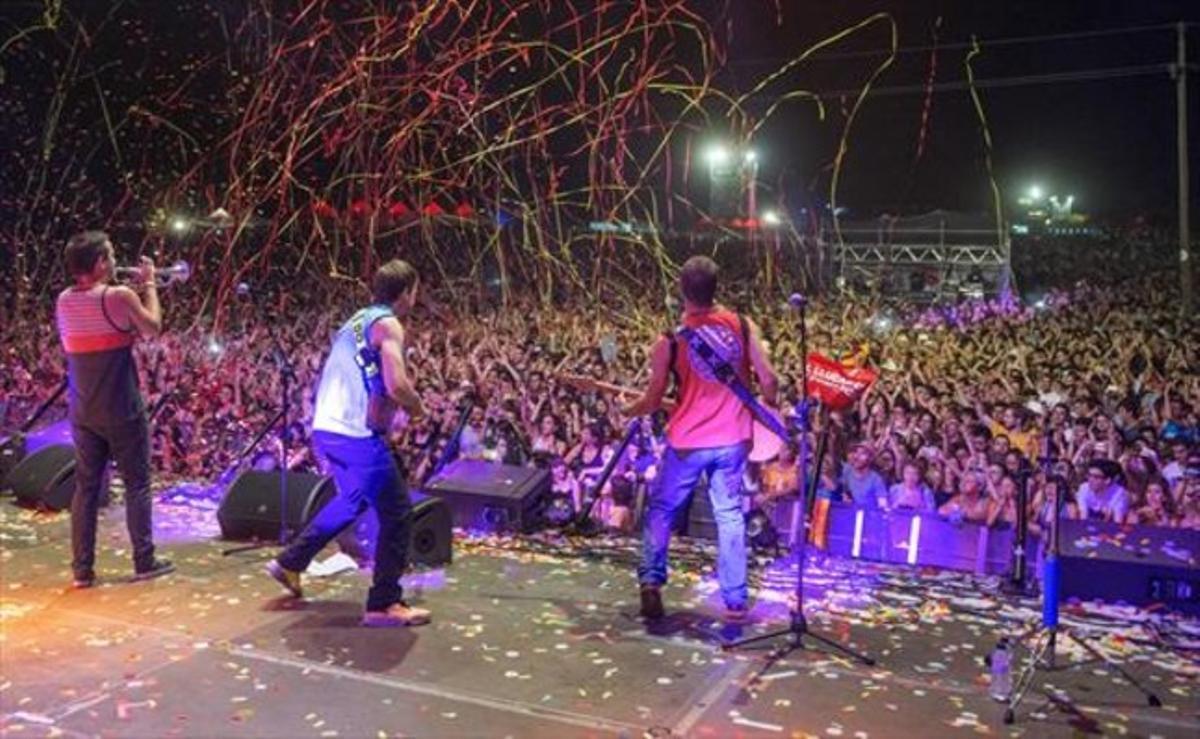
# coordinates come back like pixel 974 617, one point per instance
pixel 716 155
pixel 771 218
pixel 179 224
pixel 1035 193
pixel 750 156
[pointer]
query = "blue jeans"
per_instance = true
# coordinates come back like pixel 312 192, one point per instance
pixel 681 470
pixel 366 475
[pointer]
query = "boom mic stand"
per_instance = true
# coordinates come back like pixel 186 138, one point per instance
pixel 227 476
pixel 451 449
pixel 583 522
pixel 12 447
pixel 798 628
pixel 1044 654
pixel 287 373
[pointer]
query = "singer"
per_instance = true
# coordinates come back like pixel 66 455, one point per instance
pixel 708 432
pixel 362 383
pixel 98 323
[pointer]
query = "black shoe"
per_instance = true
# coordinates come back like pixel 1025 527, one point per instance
pixel 83 582
pixel 157 568
pixel 652 606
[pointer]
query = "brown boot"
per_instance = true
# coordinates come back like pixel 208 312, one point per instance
pixel 652 605
pixel 397 614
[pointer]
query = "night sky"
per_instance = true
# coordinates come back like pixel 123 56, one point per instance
pixel 1110 142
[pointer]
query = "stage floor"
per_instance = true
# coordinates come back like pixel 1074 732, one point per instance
pixel 528 641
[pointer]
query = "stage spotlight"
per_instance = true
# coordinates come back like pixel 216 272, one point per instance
pixel 771 218
pixel 179 224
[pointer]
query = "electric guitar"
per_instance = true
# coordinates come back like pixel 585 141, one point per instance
pixel 766 442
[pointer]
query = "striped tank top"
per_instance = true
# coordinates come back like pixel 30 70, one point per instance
pixel 101 372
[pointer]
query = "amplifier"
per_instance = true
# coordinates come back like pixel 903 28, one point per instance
pixel 492 497
pixel 1141 565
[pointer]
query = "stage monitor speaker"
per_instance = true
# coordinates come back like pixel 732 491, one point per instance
pixel 430 538
pixel 492 497
pixel 46 478
pixel 12 451
pixel 1143 565
pixel 250 508
pixel 695 518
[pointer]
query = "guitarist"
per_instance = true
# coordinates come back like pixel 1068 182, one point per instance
pixel 362 383
pixel 708 432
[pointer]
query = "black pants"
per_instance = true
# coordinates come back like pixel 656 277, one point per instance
pixel 129 444
pixel 366 475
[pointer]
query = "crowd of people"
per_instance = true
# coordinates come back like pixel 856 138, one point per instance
pixel 1087 399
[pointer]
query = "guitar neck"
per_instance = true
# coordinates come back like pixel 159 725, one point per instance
pixel 668 404
pixel 613 388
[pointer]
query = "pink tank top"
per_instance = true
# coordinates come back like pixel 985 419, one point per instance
pixel 709 414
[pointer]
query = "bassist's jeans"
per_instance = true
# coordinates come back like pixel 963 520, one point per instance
pixel 681 470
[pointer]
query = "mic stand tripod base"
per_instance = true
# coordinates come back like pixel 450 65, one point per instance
pixel 798 630
pixel 1026 588
pixel 1043 658
pixel 255 546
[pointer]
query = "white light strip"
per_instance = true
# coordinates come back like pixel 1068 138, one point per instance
pixel 856 547
pixel 914 537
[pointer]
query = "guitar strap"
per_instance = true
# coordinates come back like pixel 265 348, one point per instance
pixel 365 356
pixel 672 335
pixel 725 373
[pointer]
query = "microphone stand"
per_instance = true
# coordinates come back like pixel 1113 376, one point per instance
pixel 287 373
pixel 1018 582
pixel 798 628
pixel 583 522
pixel 1043 655
pixel 12 448
pixel 41 409
pixel 223 479
pixel 451 450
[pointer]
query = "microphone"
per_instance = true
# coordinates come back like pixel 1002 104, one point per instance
pixel 797 301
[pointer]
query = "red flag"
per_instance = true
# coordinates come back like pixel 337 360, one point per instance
pixel 835 385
